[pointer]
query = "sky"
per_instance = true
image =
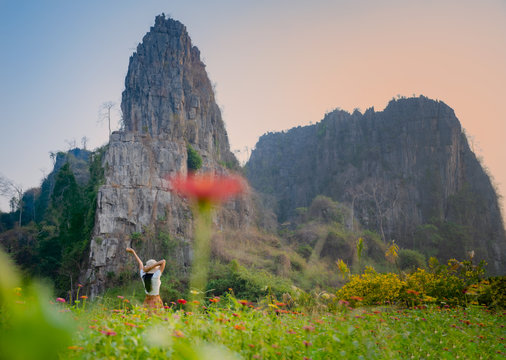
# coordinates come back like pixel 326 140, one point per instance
pixel 275 64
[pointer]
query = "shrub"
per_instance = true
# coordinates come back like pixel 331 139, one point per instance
pixel 443 288
pixel 411 259
pixel 305 251
pixel 194 161
pixel 492 292
pixel 373 288
pixel 245 283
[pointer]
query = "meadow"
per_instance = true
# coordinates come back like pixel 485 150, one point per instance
pixel 230 328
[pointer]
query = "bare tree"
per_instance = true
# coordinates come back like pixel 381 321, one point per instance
pixel 71 143
pixel 84 141
pixel 10 189
pixel 383 197
pixel 105 113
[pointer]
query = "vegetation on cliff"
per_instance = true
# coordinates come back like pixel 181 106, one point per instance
pixel 58 222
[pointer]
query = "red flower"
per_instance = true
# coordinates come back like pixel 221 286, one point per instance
pixel 181 301
pixel 108 332
pixel 207 188
pixel 243 302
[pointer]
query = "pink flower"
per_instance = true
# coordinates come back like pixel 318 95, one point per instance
pixel 120 297
pixel 207 188
pixel 108 332
pixel 62 300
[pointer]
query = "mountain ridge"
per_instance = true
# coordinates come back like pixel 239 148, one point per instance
pixel 404 167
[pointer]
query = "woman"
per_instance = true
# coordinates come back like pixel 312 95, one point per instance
pixel 150 275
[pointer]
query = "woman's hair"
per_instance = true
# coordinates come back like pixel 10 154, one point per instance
pixel 147 276
pixel 147 281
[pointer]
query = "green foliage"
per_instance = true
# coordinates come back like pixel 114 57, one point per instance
pixel 246 284
pixel 411 259
pixel 492 292
pixel 305 251
pixel 327 210
pixel 360 248
pixel 55 244
pixel 167 243
pixel 30 327
pixel 194 161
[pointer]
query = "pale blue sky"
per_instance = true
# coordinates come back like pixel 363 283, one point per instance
pixel 276 64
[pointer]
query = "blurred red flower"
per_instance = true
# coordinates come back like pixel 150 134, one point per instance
pixel 181 301
pixel 207 188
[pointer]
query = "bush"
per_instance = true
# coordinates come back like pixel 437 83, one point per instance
pixel 373 288
pixel 245 283
pixel 194 161
pixel 411 259
pixel 492 292
pixel 443 288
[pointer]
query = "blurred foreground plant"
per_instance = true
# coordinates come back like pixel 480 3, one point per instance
pixel 30 326
pixel 204 191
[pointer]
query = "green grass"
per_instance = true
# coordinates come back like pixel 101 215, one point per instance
pixel 113 328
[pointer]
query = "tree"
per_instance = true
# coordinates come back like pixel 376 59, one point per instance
pixel 84 141
pixel 382 197
pixel 14 192
pixel 105 113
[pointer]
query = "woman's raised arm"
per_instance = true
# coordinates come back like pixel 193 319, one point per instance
pixel 139 261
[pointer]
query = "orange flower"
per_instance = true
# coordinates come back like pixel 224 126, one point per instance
pixel 414 292
pixel 239 327
pixel 243 302
pixel 178 333
pixel 75 347
pixel 83 297
pixel 214 300
pixel 207 188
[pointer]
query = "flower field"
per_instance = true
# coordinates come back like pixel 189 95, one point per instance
pixel 232 329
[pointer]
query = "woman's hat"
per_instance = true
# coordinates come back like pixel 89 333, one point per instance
pixel 151 262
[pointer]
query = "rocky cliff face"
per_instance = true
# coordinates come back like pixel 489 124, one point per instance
pixel 407 172
pixel 168 103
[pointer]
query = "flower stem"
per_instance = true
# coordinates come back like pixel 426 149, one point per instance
pixel 201 251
